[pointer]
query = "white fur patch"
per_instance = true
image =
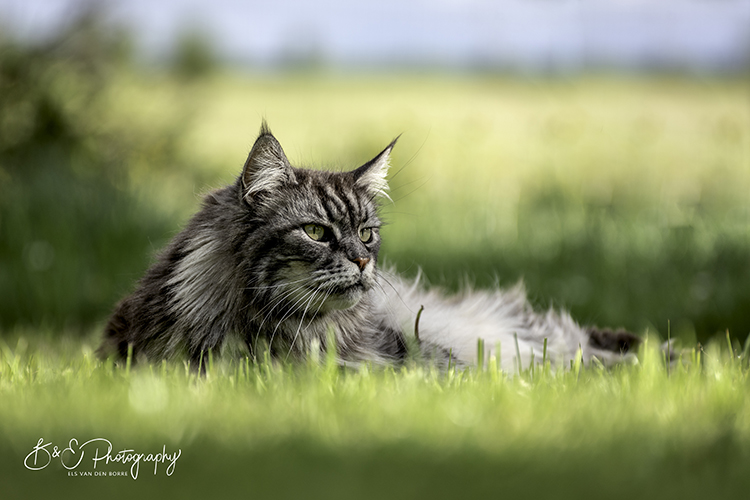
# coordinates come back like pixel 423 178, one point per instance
pixel 503 319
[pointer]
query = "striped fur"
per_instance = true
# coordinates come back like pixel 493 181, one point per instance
pixel 246 272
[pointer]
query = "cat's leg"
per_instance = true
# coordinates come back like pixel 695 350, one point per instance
pixel 612 346
pixel 619 341
pixel 617 345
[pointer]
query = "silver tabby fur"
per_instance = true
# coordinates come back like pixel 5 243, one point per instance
pixel 245 272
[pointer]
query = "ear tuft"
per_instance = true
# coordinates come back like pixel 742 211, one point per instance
pixel 372 175
pixel 266 167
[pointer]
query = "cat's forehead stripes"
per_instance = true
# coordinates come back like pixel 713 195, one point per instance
pixel 333 205
pixel 337 201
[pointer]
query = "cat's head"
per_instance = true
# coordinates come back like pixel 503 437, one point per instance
pixel 318 231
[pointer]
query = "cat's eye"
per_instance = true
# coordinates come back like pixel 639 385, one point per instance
pixel 315 232
pixel 365 234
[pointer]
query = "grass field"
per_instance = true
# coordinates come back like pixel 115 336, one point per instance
pixel 623 199
pixel 282 431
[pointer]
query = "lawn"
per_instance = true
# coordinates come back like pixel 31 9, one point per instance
pixel 268 431
pixel 622 199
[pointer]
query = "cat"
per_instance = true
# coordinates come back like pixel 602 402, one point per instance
pixel 285 259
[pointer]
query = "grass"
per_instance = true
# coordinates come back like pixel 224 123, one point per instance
pixel 278 430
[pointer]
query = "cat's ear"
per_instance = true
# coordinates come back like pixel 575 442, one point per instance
pixel 372 174
pixel 267 167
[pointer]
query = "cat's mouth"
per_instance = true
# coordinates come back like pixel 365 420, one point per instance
pixel 345 289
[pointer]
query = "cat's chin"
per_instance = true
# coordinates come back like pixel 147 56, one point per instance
pixel 343 301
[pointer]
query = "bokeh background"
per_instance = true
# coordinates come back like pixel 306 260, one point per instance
pixel 598 150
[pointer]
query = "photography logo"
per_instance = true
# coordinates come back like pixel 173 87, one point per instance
pixel 97 457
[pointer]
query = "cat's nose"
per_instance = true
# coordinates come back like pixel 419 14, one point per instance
pixel 361 262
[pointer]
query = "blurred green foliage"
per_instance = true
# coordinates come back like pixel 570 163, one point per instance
pixel 194 56
pixel 73 236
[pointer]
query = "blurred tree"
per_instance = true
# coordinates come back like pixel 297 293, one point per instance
pixel 194 55
pixel 72 236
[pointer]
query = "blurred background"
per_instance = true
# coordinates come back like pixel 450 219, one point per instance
pixel 598 150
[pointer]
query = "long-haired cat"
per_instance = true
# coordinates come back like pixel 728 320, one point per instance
pixel 286 258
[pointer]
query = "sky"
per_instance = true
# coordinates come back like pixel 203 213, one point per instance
pixel 533 35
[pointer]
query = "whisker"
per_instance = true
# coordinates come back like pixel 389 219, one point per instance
pixel 313 275
pixel 276 285
pixel 302 319
pixel 278 300
pixel 295 307
pixel 382 275
pixel 273 304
